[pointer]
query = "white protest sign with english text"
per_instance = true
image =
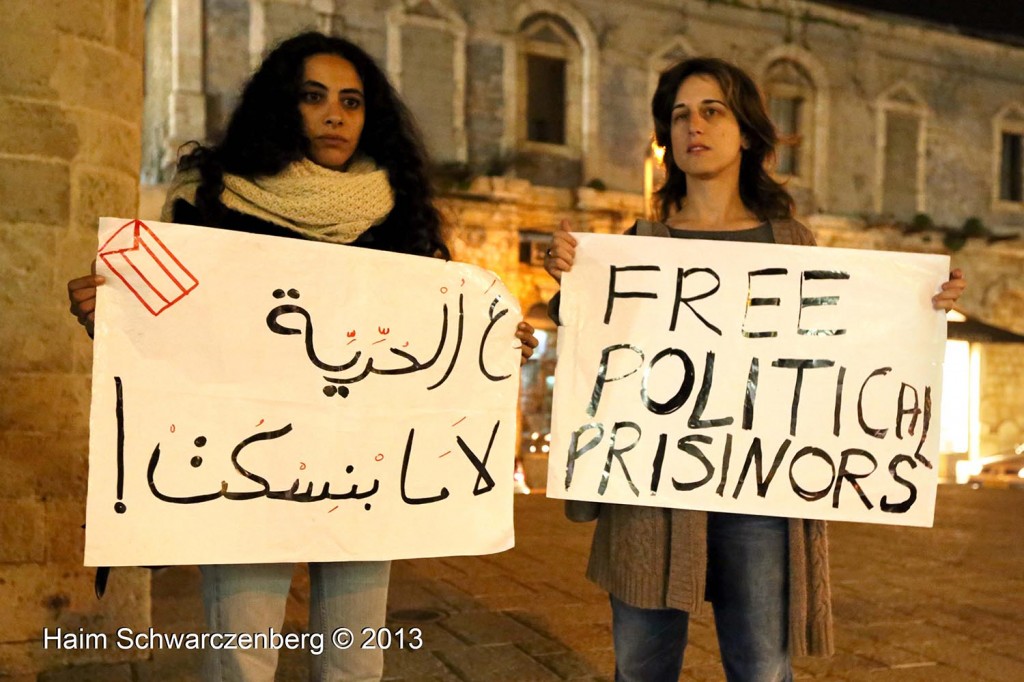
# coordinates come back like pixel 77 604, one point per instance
pixel 752 378
pixel 260 399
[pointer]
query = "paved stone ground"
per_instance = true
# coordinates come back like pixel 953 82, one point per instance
pixel 911 605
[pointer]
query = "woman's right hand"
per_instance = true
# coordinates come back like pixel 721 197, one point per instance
pixel 562 252
pixel 82 296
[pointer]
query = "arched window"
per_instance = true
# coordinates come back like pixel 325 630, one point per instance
pixel 426 62
pixel 550 96
pixel 901 139
pixel 1008 182
pixel 796 87
pixel 551 83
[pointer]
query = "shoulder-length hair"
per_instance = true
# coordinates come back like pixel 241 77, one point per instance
pixel 759 192
pixel 265 134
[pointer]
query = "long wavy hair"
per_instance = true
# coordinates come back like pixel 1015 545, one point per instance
pixel 265 134
pixel 759 192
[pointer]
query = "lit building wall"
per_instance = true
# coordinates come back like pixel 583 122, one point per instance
pixel 870 85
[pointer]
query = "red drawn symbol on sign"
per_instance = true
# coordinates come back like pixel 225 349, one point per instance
pixel 147 267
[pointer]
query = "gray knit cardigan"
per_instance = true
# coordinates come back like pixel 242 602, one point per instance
pixel 657 558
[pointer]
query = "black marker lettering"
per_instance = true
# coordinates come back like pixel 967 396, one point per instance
pixel 613 294
pixel 818 301
pixel 685 387
pixel 800 366
pixel 757 301
pixel 751 394
pixel 695 421
pixel 684 444
pixel 720 491
pixel 811 495
pixel 616 452
pixel 483 341
pixel 900 507
pixel 602 373
pixel 659 460
pixel 924 428
pixel 681 275
pixel 876 433
pixel 575 451
pixel 845 473
pixel 754 456
pixel 483 476
pixel 839 402
pixel 119 506
pixel 405 471
pixel 902 411
pixel 458 344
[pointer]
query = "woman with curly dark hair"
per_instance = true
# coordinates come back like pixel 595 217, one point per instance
pixel 268 137
pixel 320 147
pixel 767 577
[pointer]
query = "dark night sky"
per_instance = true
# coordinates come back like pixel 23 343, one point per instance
pixel 1001 20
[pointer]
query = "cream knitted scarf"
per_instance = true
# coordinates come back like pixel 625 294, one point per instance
pixel 316 202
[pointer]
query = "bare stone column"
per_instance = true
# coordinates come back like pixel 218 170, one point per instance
pixel 187 119
pixel 70 106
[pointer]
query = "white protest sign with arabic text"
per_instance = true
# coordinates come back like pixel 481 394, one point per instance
pixel 259 399
pixel 752 378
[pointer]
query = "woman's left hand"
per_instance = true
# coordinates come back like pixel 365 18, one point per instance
pixel 524 332
pixel 951 291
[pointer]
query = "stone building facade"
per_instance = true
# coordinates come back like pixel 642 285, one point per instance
pixel 70 122
pixel 538 110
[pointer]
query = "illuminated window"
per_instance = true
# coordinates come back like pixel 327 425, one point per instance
pixel 954 435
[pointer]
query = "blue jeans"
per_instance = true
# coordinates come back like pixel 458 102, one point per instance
pixel 748 584
pixel 251 598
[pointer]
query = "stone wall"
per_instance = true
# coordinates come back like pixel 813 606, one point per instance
pixel 485 106
pixel 71 103
pixel 429 87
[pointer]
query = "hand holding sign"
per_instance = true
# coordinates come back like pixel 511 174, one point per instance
pixel 82 297
pixel 562 252
pixel 951 290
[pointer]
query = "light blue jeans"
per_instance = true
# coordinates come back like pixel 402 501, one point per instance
pixel 251 598
pixel 748 583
